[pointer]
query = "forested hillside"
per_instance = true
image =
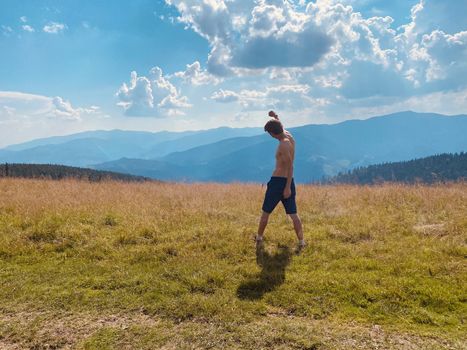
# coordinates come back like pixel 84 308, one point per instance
pixel 438 168
pixel 55 172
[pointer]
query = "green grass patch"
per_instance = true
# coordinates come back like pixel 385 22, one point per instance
pixel 390 256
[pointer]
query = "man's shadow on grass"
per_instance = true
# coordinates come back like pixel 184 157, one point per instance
pixel 272 273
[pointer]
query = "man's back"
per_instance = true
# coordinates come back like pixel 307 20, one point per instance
pixel 285 152
pixel 292 141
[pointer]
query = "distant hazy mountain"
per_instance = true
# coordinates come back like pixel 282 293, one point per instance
pixel 155 169
pixel 142 138
pixel 204 154
pixel 438 168
pixel 199 138
pixel 78 152
pixel 322 150
pixel 93 147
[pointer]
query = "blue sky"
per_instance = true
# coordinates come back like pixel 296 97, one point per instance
pixel 68 66
pixel 102 42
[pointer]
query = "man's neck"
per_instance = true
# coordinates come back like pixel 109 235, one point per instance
pixel 281 136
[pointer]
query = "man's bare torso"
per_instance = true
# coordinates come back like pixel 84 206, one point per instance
pixel 281 159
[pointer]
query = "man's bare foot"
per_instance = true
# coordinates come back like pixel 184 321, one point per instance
pixel 300 246
pixel 258 239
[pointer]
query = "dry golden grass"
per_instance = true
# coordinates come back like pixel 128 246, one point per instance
pixel 172 265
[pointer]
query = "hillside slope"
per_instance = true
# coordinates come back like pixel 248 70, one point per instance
pixel 56 172
pixel 438 168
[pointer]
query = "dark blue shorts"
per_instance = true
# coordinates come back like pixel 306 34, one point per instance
pixel 274 194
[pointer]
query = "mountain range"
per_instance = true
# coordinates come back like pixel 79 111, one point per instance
pixel 94 147
pixel 247 154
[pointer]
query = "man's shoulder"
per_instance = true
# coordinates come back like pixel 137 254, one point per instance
pixel 285 144
pixel 289 136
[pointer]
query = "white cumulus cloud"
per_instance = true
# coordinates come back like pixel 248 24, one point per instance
pixel 195 75
pixel 152 96
pixel 331 47
pixel 254 35
pixel 26 116
pixel 225 96
pixel 283 97
pixel 54 28
pixel 19 105
pixel 27 28
pixel 6 30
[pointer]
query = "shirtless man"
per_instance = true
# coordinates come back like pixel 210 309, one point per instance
pixel 281 187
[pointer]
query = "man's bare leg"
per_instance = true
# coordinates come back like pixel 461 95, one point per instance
pixel 297 225
pixel 263 221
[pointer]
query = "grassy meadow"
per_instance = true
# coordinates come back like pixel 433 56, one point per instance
pixel 115 265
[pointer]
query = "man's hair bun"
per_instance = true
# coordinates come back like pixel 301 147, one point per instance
pixel 273 115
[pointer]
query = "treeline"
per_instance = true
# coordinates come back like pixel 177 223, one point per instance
pixel 56 172
pixel 438 168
